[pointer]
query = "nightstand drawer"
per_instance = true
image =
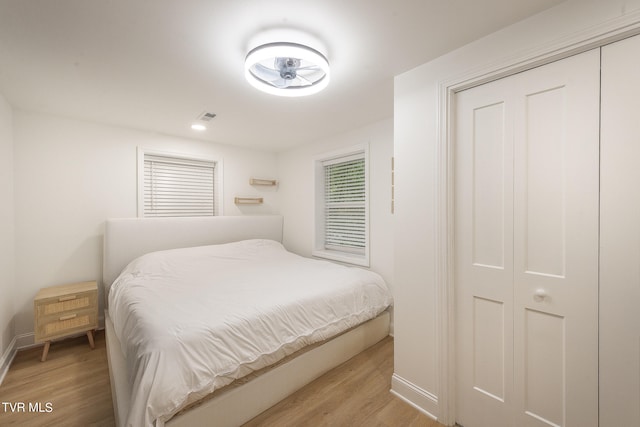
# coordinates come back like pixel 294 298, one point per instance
pixel 71 302
pixel 51 327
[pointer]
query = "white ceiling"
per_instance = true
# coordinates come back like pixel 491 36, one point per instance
pixel 157 64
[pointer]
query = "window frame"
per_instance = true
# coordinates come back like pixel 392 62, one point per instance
pixel 218 177
pixel 319 250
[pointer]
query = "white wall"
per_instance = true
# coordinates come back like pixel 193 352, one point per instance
pixel 416 135
pixel 296 192
pixel 7 247
pixel 71 175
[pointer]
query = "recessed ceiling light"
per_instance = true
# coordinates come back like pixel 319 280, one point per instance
pixel 198 127
pixel 287 69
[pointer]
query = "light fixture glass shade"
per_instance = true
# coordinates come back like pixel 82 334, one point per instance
pixel 287 69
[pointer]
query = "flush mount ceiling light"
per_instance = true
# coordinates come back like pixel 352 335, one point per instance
pixel 287 69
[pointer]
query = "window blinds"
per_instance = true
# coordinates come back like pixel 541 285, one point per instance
pixel 345 204
pixel 178 187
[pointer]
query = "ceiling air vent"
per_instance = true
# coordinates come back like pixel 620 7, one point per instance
pixel 206 117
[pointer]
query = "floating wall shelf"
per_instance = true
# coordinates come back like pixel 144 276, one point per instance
pixel 248 200
pixel 258 181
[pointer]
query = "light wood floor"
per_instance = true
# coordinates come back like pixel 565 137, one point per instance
pixel 75 381
pixel 355 393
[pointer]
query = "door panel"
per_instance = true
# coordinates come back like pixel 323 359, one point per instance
pixel 620 236
pixel 544 367
pixel 488 348
pixel 543 166
pixel 488 189
pixel 526 247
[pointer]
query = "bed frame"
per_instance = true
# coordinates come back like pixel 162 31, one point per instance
pixel 126 239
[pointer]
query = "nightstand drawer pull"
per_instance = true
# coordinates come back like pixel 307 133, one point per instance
pixel 67 317
pixel 67 298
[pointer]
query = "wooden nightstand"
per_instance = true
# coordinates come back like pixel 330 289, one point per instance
pixel 65 310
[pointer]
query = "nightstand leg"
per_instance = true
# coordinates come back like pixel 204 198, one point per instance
pixel 45 351
pixel 90 336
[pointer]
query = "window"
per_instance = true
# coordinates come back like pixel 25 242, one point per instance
pixel 171 185
pixel 342 211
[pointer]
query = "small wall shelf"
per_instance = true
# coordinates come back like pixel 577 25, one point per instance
pixel 248 200
pixel 258 181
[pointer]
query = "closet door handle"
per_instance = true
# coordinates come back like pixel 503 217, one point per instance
pixel 540 295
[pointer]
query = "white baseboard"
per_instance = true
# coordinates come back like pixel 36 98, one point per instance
pixel 7 358
pixel 24 341
pixel 422 400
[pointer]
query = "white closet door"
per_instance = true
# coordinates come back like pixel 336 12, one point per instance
pixel 556 244
pixel 484 255
pixel 620 236
pixel 527 225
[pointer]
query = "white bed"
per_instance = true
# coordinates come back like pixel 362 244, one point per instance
pixel 242 262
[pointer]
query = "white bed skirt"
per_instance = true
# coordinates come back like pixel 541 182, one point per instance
pixel 237 405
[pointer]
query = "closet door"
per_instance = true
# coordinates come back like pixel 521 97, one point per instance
pixel 484 255
pixel 620 236
pixel 556 243
pixel 526 238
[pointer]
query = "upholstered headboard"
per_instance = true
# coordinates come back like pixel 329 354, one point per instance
pixel 128 238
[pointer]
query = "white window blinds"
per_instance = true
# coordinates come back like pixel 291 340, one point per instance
pixel 345 204
pixel 176 186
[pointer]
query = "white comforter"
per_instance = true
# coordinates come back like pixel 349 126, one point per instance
pixel 192 320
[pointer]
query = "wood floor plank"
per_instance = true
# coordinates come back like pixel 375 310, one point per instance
pixel 355 393
pixel 75 382
pixel 71 388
